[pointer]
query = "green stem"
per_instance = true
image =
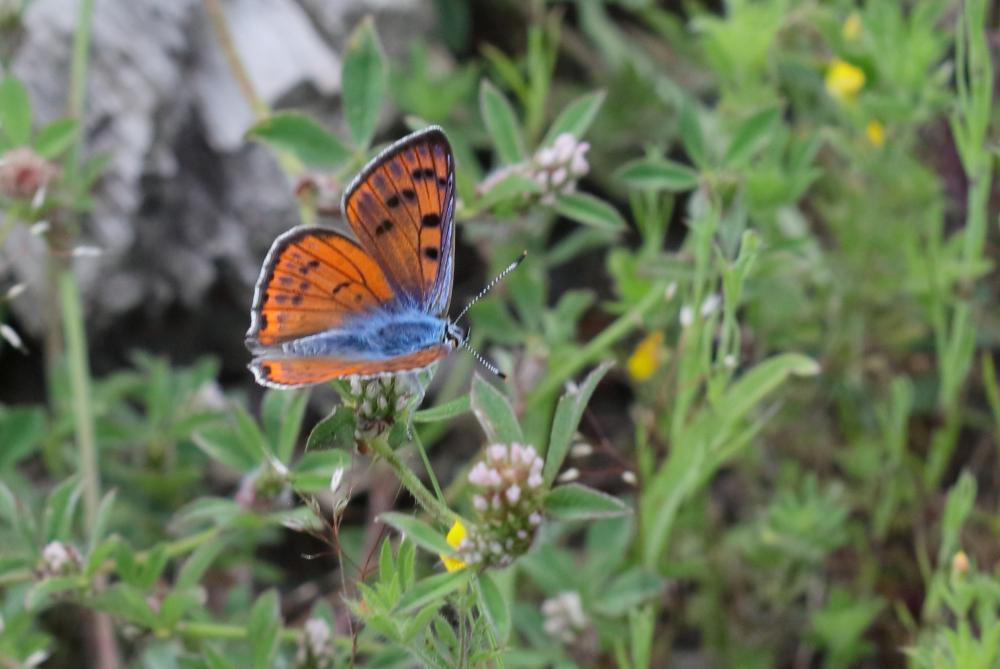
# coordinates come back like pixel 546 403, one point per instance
pixel 413 484
pixel 202 630
pixel 76 353
pixel 427 466
pixel 78 78
pixel 599 344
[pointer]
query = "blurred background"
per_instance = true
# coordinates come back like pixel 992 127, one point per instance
pixel 777 217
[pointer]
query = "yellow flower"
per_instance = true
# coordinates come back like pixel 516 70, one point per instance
pixel 843 80
pixel 959 564
pixel 876 134
pixel 646 358
pixel 852 27
pixel 455 536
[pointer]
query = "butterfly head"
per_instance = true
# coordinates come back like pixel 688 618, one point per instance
pixel 454 336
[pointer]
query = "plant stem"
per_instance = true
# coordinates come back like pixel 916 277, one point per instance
pixel 203 630
pixel 599 344
pixel 76 353
pixel 220 27
pixel 292 166
pixel 413 484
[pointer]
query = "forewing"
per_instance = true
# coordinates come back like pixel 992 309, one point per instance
pixel 314 279
pixel 401 207
pixel 279 372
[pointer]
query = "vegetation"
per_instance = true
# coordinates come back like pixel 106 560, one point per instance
pixel 752 416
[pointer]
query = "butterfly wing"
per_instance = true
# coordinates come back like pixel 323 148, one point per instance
pixel 401 207
pixel 278 372
pixel 313 279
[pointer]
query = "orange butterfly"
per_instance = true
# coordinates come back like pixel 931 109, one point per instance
pixel 326 307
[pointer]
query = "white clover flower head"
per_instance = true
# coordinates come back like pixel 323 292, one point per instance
pixel 507 492
pixel 379 402
pixel 316 644
pixel 564 618
pixel 557 168
pixel 710 304
pixel 686 316
pixel 59 559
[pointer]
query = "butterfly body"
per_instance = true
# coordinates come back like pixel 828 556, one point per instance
pixel 327 307
pixel 379 335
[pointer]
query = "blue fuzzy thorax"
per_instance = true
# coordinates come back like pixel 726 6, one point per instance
pixel 376 335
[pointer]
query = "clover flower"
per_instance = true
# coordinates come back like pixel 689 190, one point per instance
pixel 24 173
pixel 507 497
pixel 645 359
pixel 59 559
pixel 377 403
pixel 564 617
pixel 265 488
pixel 844 81
pixel 558 167
pixel 316 649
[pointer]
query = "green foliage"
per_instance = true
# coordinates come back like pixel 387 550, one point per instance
pixel 790 463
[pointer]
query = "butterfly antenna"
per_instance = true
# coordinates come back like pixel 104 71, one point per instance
pixel 478 356
pixel 499 277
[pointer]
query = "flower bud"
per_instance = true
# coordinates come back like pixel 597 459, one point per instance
pixel 23 173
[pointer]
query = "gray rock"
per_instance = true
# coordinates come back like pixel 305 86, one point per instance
pixel 185 205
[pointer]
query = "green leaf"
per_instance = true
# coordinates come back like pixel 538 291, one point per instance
pixel 282 413
pixel 21 430
pixel 691 135
pixel 418 532
pixel 40 593
pixel 302 137
pixel 750 135
pixel 659 174
pixel 443 412
pixel 56 137
pixel 589 210
pixel 501 122
pixel 567 418
pixel 334 431
pixel 513 186
pixel 128 603
pixel 576 117
pixel 958 505
pixel 628 590
pixel 220 442
pixel 313 471
pixel 198 563
pixel 60 509
pixel 762 380
pixel 494 606
pixel 494 413
pixel 15 111
pixel 433 588
pixel 578 502
pixel 364 82
pixel 263 628
pixel 102 518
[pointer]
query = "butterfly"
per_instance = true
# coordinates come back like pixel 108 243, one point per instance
pixel 326 307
